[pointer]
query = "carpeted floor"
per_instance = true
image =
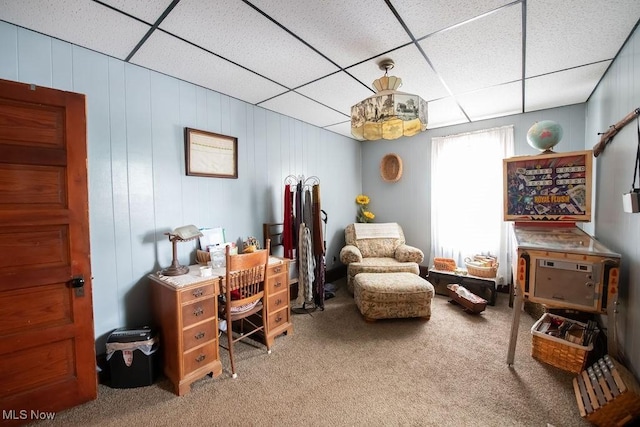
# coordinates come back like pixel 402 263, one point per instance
pixel 336 369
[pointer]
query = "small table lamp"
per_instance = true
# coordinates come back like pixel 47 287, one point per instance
pixel 180 234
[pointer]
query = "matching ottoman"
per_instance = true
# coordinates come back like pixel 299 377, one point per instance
pixel 392 295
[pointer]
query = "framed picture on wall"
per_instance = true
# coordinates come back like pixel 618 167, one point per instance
pixel 211 154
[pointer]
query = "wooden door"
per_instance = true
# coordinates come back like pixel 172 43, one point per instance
pixel 47 353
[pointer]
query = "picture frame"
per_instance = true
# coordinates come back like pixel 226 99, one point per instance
pixel 210 154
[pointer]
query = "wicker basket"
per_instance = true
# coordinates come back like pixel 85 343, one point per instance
pixel 618 408
pixel 488 272
pixel 202 257
pixel 444 264
pixel 391 167
pixel 556 351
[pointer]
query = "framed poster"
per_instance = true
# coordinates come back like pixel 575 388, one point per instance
pixel 211 154
pixel 548 187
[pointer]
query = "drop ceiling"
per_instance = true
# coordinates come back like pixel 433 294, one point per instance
pixel 312 59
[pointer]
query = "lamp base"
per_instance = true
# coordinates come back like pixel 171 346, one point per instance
pixel 175 270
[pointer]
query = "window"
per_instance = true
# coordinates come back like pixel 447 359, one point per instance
pixel 467 195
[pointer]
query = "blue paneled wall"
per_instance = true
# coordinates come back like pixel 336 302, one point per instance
pixel 138 188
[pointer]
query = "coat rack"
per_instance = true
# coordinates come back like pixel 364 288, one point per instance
pixel 607 137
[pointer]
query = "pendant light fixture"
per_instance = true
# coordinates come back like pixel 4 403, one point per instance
pixel 388 114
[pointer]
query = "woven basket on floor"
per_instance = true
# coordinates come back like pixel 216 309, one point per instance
pixel 556 351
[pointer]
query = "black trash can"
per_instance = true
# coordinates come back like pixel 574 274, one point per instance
pixel 133 357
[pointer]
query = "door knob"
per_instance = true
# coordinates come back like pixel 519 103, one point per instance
pixel 77 283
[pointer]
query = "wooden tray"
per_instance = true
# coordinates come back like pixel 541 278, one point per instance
pixel 473 305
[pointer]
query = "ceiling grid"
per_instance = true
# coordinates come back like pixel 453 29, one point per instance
pixel 312 60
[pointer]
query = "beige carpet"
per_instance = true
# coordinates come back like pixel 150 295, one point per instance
pixel 337 370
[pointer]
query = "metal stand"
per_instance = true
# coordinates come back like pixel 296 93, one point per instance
pixel 515 324
pixel 175 269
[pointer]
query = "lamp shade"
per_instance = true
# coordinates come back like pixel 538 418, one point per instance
pixel 388 114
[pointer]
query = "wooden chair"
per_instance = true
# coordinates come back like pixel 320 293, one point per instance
pixel 244 292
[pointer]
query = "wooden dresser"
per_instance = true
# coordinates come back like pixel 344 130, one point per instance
pixel 185 310
pixel 278 312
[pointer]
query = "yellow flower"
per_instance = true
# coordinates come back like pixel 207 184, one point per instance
pixel 364 215
pixel 362 199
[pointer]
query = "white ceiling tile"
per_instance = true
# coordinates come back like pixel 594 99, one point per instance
pixel 492 102
pixel 337 91
pixel 237 32
pixel 347 32
pixel 81 22
pixel 148 11
pixel 343 128
pixel 424 17
pixel 255 50
pixel 479 54
pixel 299 107
pixel 569 33
pixel 563 88
pixel 445 112
pixel 169 55
pixel 416 74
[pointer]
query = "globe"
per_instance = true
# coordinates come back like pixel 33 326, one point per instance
pixel 544 135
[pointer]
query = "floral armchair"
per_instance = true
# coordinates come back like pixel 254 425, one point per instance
pixel 377 248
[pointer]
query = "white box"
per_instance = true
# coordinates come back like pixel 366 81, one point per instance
pixel 630 201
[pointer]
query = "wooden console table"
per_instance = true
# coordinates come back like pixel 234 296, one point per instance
pixel 481 286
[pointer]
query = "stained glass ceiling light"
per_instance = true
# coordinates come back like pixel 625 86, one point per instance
pixel 388 114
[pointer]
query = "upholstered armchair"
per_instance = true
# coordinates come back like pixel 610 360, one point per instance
pixel 378 248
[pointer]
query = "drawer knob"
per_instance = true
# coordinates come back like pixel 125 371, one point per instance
pixel 278 284
pixel 201 357
pixel 277 269
pixel 278 319
pixel 199 335
pixel 198 311
pixel 198 292
pixel 278 301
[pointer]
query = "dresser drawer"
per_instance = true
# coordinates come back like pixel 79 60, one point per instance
pixel 198 311
pixel 278 301
pixel 277 283
pixel 278 318
pixel 276 268
pixel 199 334
pixel 197 292
pixel 199 357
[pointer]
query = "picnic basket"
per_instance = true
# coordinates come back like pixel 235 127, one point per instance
pixel 482 266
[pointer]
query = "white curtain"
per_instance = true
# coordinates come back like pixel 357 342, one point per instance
pixel 467 196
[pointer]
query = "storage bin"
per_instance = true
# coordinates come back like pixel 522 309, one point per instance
pixel 557 351
pixel 444 264
pixel 132 355
pixel 607 394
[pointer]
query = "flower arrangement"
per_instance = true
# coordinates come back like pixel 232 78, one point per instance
pixel 364 214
